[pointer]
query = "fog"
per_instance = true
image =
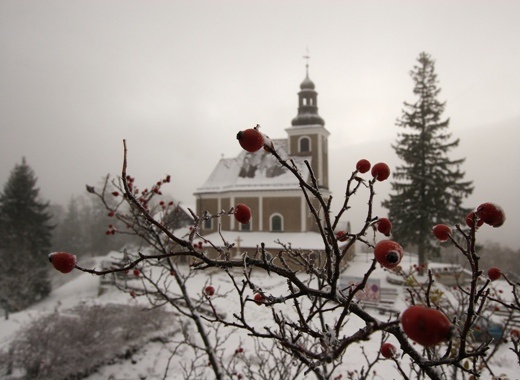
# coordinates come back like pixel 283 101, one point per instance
pixel 178 79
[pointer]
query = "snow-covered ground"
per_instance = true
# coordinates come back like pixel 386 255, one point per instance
pixel 152 360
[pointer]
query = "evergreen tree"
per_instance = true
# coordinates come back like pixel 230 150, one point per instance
pixel 25 239
pixel 428 188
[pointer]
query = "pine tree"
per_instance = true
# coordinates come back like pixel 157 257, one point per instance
pixel 428 188
pixel 25 239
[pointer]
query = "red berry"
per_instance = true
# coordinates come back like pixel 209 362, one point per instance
pixel 473 218
pixel 426 326
pixel 491 214
pixel 341 236
pixel 239 350
pixel 115 193
pixel 363 166
pixel 250 139
pixel 494 273
pixel 388 350
pixel 380 171
pixel 258 298
pixel 388 253
pixel 63 261
pixel 242 213
pixel 384 226
pixel 515 333
pixel 111 213
pixel 136 272
pixel 209 290
pixel 442 232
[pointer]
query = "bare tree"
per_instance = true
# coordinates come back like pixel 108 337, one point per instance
pixel 314 332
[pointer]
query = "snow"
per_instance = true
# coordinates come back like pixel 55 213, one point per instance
pixel 298 240
pixel 255 171
pixel 152 359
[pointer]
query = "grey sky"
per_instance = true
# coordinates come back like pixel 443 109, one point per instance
pixel 178 79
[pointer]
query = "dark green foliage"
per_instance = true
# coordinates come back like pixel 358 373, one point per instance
pixel 428 188
pixel 25 239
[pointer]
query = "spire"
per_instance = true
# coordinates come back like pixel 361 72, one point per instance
pixel 307 101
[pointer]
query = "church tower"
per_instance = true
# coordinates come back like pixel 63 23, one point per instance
pixel 308 136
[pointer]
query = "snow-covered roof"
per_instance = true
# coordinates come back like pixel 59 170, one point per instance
pixel 298 240
pixel 254 171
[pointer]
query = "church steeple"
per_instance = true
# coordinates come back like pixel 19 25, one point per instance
pixel 307 135
pixel 307 103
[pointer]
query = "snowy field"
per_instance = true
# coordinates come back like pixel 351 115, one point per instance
pixel 154 359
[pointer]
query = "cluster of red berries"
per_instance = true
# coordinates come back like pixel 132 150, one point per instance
pixel 425 325
pixel 111 230
pixel 63 261
pixel 164 205
pixel 388 253
pixel 488 213
pixel 380 171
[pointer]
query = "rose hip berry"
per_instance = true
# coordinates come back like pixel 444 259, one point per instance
pixel 473 218
pixel 491 214
pixel 388 253
pixel 442 232
pixel 250 139
pixel 209 290
pixel 494 273
pixel 242 213
pixel 258 298
pixel 384 226
pixel 388 350
pixel 63 261
pixel 363 166
pixel 380 171
pixel 425 325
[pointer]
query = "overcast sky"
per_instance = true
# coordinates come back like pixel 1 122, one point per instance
pixel 178 79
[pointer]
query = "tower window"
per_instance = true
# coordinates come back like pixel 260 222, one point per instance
pixel 276 223
pixel 305 144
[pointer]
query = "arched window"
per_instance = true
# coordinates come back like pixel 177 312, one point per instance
pixel 276 223
pixel 305 144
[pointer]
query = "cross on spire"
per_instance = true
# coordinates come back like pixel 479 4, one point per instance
pixel 307 57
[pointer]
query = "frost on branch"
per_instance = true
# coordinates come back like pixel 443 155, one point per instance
pixel 317 318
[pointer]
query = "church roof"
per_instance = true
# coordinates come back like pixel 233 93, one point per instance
pixel 255 171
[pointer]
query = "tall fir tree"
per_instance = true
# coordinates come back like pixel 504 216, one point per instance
pixel 428 188
pixel 25 239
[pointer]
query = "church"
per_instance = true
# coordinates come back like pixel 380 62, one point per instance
pixel 279 210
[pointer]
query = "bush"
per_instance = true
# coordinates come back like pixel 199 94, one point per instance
pixel 72 344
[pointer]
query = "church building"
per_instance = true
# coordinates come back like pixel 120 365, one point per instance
pixel 279 209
